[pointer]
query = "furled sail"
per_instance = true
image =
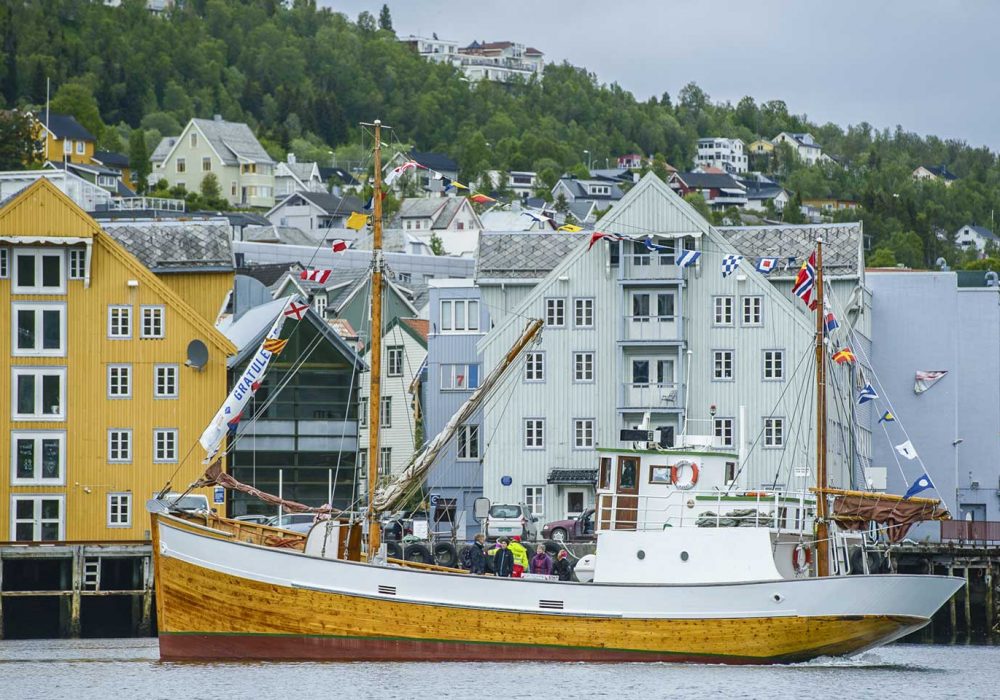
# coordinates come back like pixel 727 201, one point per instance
pixel 397 491
pixel 214 476
pixel 228 415
pixel 853 510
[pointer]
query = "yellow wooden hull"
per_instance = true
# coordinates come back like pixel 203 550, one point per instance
pixel 209 614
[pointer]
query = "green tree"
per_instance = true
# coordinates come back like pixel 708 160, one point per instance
pixel 138 159
pixel 792 211
pixel 699 203
pixel 561 205
pixel 366 22
pixel 437 247
pixel 385 19
pixel 882 257
pixel 210 189
pixel 76 99
pixel 17 145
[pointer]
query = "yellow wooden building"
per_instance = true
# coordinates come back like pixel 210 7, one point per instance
pixel 64 138
pixel 102 408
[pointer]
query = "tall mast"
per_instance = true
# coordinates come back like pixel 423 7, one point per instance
pixel 822 529
pixel 375 395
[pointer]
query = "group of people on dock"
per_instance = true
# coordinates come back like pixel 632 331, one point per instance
pixel 509 559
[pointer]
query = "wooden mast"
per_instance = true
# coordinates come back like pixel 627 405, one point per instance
pixel 375 395
pixel 822 528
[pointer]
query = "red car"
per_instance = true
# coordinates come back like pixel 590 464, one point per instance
pixel 580 529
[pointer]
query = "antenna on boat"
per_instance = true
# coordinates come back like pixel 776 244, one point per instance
pixel 375 394
pixel 822 529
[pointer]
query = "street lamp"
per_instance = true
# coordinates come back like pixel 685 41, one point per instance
pixel 587 153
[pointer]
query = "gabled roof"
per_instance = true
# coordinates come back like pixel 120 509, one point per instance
pixel 527 256
pixel 163 149
pixel 64 126
pixel 707 181
pixel 842 246
pixel 416 328
pixel 302 171
pixel 434 161
pixel 345 177
pixel 284 235
pixel 582 209
pixel 176 246
pixel 982 232
pixel 420 326
pixel 421 207
pixel 111 159
pixel 233 141
pixel 330 204
pixel 579 190
pixel 940 171
pixel 268 274
pixel 802 139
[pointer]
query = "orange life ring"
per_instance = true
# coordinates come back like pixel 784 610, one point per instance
pixel 802 557
pixel 675 471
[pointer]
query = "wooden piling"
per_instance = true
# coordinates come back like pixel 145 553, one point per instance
pixel 145 623
pixel 991 613
pixel 1 597
pixel 73 631
pixel 952 610
pixel 968 604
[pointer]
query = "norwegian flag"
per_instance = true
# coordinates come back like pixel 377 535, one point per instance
pixel 805 280
pixel 296 310
pixel 320 276
pixel 339 246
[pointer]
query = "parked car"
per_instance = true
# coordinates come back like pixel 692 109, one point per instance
pixel 256 519
pixel 578 529
pixel 189 503
pixel 296 522
pixel 508 519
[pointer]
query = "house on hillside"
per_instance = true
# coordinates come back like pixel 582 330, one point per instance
pixel 292 176
pixel 313 211
pixel 804 145
pixel 451 219
pixel 602 193
pixel 978 237
pixel 227 149
pixel 718 189
pixel 726 154
pixel 404 352
pixel 116 161
pixel 631 161
pixel 760 193
pixel 760 147
pixel 430 177
pixel 937 173
pixel 501 61
pixel 63 138
pixel 108 178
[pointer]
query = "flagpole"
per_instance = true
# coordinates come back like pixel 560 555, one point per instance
pixel 822 529
pixel 375 395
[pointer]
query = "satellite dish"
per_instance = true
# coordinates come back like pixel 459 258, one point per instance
pixel 197 354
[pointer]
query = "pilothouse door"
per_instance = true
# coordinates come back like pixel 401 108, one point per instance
pixel 626 494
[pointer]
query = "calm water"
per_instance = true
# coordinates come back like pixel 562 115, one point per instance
pixel 121 669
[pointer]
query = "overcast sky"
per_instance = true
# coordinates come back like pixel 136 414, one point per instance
pixel 929 66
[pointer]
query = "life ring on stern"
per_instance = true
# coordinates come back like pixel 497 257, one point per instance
pixel 675 474
pixel 802 558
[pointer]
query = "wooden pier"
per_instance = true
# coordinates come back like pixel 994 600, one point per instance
pixel 76 589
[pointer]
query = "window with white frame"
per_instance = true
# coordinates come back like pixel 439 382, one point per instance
pixel 640 254
pixel 583 366
pixel 534 498
pixel 119 381
pixel 386 414
pixel 722 365
pixel 363 412
pixel 459 315
pixel 665 306
pixel 774 432
pixel 39 328
pixel 152 322
pixel 534 366
pixel 119 445
pixel 666 254
pixel 640 307
pixel 181 165
pixel 206 164
pixel 4 263
pixel 119 321
pixel 583 433
pixel 385 461
pixel 723 311
pixel 583 313
pixel 38 271
pixel 555 313
pixel 77 264
pixel 37 518
pixel 723 431
pixel 165 381
pixel 164 445
pixel 39 393
pixel 394 360
pixel 194 140
pixel 753 311
pixel 534 433
pixel 468 442
pixel 68 147
pixel 459 377
pixel 80 147
pixel 774 365
pixel 38 457
pixel 319 304
pixel 119 510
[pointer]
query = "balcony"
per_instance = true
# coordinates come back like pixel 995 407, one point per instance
pixel 980 532
pixel 652 329
pixel 657 396
pixel 649 266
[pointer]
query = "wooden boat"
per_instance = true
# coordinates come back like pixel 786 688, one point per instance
pixel 665 587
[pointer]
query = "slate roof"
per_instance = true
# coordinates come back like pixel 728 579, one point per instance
pixel 762 190
pixel 332 204
pixel 176 246
pixel 523 255
pixel 345 177
pixel 572 476
pixel 65 126
pixel 940 171
pixel 163 148
pixel 983 232
pixel 706 181
pixel 232 141
pixel 286 235
pixel 841 245
pixel 111 159
pixel 420 207
pixel 267 274
pixel 303 171
pixel 448 211
pixel 434 161
pixel 580 191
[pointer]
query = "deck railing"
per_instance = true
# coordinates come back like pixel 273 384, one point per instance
pixel 977 531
